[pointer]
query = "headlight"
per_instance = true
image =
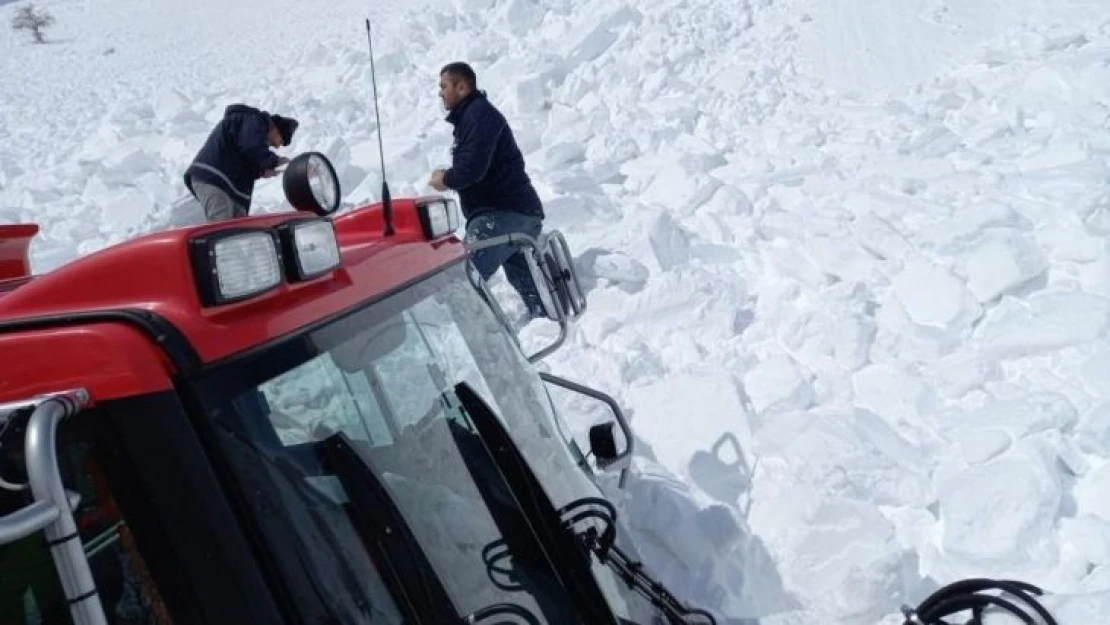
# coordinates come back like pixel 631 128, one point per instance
pixel 438 217
pixel 311 185
pixel 309 247
pixel 233 265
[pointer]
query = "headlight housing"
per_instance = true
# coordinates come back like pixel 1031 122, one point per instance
pixel 438 216
pixel 309 247
pixel 234 265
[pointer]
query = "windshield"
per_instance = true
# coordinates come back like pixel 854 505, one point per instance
pixel 382 379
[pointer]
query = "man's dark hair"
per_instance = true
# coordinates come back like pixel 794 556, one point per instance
pixel 461 71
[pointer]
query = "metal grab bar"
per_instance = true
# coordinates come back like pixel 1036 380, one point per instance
pixel 27 521
pixel 52 510
pixel 622 421
pixel 540 280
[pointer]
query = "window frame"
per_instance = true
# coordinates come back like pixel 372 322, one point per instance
pixel 156 472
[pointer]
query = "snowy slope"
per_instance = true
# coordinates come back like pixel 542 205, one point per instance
pixel 847 260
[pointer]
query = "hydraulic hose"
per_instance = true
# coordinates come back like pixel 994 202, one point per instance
pixel 968 595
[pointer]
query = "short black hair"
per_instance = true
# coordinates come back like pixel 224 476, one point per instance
pixel 461 71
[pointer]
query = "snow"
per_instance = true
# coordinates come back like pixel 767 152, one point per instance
pixel 846 261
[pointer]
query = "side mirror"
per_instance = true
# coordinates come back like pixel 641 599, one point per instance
pixel 603 444
pixel 553 271
pixel 311 184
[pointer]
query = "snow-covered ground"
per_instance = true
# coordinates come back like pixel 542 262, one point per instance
pixel 847 260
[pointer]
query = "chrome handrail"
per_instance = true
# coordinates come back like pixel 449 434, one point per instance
pixel 52 509
pixel 523 240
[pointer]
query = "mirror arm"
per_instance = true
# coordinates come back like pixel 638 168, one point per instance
pixel 622 421
pixel 545 352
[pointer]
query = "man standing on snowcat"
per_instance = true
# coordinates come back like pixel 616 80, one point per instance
pixel 237 152
pixel 487 170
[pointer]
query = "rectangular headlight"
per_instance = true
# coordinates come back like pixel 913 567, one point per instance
pixel 438 217
pixel 234 265
pixel 310 248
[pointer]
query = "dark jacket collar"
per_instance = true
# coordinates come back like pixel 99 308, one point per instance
pixel 456 113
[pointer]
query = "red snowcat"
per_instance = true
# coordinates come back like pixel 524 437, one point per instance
pixel 306 417
pixel 314 418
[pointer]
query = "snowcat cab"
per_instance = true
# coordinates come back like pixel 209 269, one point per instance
pixel 303 417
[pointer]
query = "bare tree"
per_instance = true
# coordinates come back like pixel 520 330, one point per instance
pixel 26 18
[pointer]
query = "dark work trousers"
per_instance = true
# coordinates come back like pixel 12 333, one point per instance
pixel 488 260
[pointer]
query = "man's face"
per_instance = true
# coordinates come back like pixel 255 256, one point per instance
pixel 274 136
pixel 451 91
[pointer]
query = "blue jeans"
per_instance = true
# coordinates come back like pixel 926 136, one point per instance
pixel 511 257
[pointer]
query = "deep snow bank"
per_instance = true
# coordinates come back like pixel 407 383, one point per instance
pixel 847 264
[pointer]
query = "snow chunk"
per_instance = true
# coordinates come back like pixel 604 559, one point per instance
pixel 563 154
pixel 710 409
pixel 522 16
pixel 617 268
pixel 1002 513
pixel 851 559
pixel 1001 262
pixel 678 189
pixel 1026 415
pixel 1047 320
pixel 669 242
pixel 700 550
pixel 124 211
pixel 979 446
pixel 854 456
pixel 777 384
pixel 595 42
pixel 730 200
pixel 131 162
pixel 1090 536
pixel 172 106
pixel 835 335
pixel 934 297
pixel 892 393
pixel 1090 493
pixel 1093 432
pixel 957 373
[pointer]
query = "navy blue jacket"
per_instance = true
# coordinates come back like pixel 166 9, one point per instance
pixel 487 168
pixel 236 153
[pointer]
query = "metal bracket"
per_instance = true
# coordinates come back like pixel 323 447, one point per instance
pixel 8 409
pixel 626 455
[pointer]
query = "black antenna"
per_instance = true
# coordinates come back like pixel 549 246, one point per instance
pixel 387 202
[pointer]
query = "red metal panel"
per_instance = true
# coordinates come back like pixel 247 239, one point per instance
pixel 15 241
pixel 154 273
pixel 110 360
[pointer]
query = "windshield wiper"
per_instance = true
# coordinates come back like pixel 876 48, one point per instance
pixel 325 597
pixel 570 561
pixel 386 533
pixel 558 532
pixel 603 545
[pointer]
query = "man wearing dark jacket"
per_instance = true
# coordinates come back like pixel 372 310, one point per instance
pixel 487 171
pixel 236 154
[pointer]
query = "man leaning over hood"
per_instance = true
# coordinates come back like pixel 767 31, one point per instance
pixel 236 153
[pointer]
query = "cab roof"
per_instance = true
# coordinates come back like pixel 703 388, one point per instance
pixel 151 280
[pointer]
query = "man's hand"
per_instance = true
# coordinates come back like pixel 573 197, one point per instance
pixel 270 173
pixel 437 180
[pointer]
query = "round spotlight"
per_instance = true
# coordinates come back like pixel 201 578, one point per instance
pixel 311 185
